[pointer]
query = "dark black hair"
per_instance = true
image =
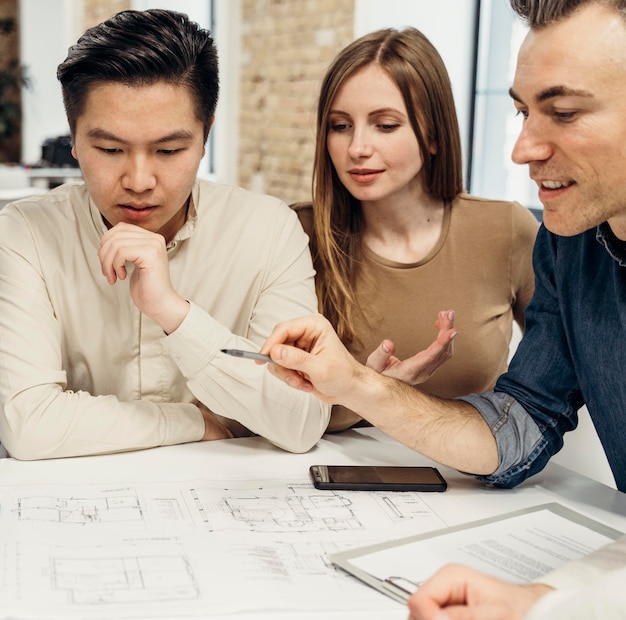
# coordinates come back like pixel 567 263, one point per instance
pixel 141 48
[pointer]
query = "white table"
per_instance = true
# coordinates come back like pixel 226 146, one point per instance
pixel 67 518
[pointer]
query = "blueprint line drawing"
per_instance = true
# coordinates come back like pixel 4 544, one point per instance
pixel 299 508
pixel 123 579
pixel 402 506
pixel 190 547
pixel 294 511
pixel 147 571
pixel 80 510
pixel 271 507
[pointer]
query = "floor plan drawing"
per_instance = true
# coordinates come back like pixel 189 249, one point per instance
pixel 123 579
pixel 297 510
pixel 151 548
pixel 134 572
pixel 79 510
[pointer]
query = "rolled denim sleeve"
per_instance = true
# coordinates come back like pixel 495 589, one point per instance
pixel 536 402
pixel 518 437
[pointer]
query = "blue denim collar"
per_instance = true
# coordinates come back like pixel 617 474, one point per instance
pixel 614 246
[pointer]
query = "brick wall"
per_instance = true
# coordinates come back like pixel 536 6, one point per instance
pixel 286 47
pixel 96 11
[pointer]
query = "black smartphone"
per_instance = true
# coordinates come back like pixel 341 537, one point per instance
pixel 377 478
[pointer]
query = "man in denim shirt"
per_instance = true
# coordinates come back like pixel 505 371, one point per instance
pixel 572 99
pixel 570 88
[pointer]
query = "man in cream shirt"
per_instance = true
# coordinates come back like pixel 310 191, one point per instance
pixel 118 294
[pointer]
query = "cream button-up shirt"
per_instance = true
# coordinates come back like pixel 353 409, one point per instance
pixel 82 371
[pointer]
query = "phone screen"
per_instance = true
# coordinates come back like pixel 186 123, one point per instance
pixel 375 478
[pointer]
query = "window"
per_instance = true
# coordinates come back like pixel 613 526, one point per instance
pixel 495 124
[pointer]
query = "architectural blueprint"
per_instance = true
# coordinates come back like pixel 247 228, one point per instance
pixel 151 550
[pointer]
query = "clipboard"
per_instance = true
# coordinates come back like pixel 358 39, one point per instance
pixel 371 564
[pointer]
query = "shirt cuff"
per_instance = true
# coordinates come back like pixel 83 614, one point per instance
pixel 196 341
pixel 516 433
pixel 183 423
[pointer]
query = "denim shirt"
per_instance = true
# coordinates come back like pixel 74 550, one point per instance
pixel 573 352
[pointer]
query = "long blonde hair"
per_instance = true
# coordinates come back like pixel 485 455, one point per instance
pixel 417 69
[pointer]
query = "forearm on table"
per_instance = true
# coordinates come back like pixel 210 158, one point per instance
pixel 44 422
pixel 448 431
pixel 291 420
pixel 240 389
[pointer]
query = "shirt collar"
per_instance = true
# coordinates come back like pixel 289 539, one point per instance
pixel 192 219
pixel 614 246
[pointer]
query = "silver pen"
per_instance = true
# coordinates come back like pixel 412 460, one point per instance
pixel 249 355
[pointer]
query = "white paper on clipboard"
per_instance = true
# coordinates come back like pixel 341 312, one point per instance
pixel 519 546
